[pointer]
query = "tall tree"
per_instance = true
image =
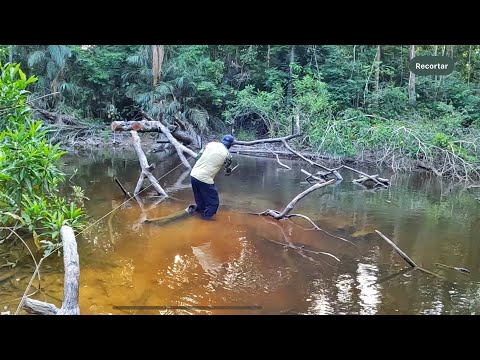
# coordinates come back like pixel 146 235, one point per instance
pixel 290 76
pixel 411 80
pixel 158 53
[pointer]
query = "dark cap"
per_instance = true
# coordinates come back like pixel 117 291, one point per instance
pixel 228 140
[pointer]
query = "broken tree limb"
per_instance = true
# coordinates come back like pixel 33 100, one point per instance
pixel 311 176
pixel 279 215
pixel 405 256
pixel 71 281
pixel 372 178
pixel 151 126
pixel 179 147
pixel 145 167
pixel 279 162
pixel 379 181
pixel 397 249
pixel 121 187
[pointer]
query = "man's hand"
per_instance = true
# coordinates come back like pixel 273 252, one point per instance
pixel 228 171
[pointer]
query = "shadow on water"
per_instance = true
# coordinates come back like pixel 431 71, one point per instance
pixel 248 264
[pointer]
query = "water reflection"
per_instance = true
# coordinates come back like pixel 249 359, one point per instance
pixel 240 259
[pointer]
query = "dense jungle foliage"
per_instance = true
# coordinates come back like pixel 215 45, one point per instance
pixel 358 102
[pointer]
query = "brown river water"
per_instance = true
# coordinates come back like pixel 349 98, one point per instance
pixel 241 263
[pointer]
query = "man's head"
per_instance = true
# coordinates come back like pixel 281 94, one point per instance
pixel 228 141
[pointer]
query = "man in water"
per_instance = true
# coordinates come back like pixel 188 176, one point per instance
pixel 209 162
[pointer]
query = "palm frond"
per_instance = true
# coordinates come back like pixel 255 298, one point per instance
pixel 59 54
pixel 70 89
pixel 173 107
pixel 164 89
pixel 135 60
pixel 52 70
pixel 36 58
pixel 198 117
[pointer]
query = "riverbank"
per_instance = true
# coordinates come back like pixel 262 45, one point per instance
pixel 153 143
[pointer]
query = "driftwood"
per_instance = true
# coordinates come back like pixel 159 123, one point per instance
pixel 152 126
pixel 146 168
pixel 71 281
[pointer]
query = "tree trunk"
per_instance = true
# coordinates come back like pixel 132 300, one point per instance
pixel 72 273
pixel 411 80
pixel 268 56
pixel 469 64
pixel 10 53
pixel 435 51
pixel 377 68
pixel 157 61
pixel 290 77
pixel 71 281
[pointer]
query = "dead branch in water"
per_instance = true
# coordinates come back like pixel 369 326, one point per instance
pixel 278 160
pixel 71 281
pixel 405 256
pixel 121 187
pixel 279 215
pixel 398 250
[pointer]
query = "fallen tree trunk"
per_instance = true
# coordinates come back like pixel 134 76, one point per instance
pixel 145 167
pixel 179 147
pixel 71 281
pixel 152 126
pixel 265 141
pixel 57 118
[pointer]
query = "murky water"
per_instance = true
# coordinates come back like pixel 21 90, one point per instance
pixel 247 264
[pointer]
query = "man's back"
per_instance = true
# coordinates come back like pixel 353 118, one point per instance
pixel 210 163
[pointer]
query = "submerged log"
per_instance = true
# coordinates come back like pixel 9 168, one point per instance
pixel 173 217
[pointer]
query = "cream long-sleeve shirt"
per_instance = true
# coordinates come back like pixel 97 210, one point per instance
pixel 210 162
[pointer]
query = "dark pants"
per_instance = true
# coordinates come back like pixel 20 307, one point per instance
pixel 206 198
